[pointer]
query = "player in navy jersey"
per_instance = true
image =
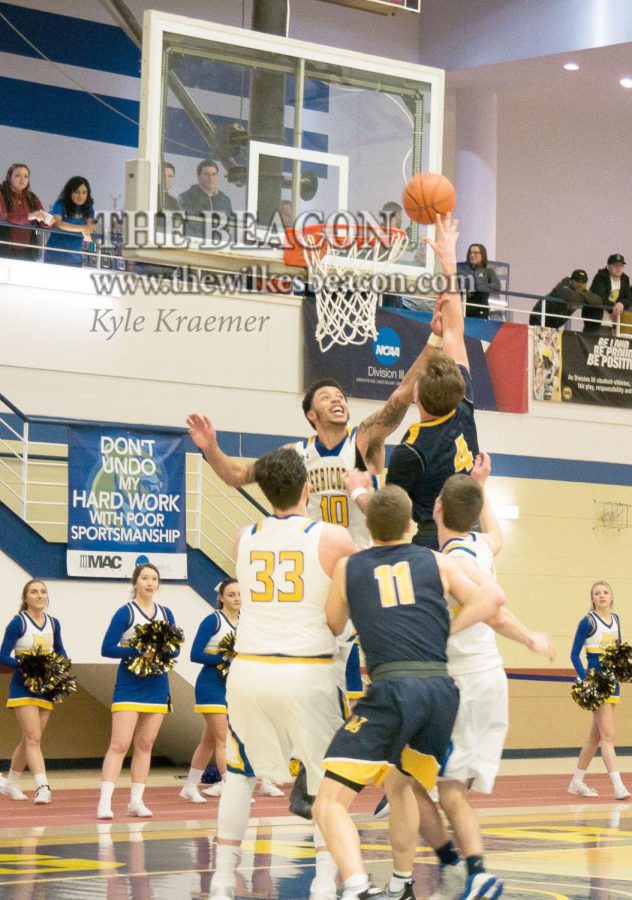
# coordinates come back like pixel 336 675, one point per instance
pixel 32 627
pixel 396 593
pixel 444 441
pixel 335 452
pixel 595 632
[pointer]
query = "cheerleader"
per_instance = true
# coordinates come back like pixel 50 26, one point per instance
pixel 596 631
pixel 139 703
pixel 32 627
pixel 210 690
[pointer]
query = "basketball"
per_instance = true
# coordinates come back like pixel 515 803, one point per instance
pixel 427 195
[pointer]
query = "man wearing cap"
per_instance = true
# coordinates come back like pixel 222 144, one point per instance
pixel 612 285
pixel 567 296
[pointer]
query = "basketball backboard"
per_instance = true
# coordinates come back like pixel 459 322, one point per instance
pixel 296 130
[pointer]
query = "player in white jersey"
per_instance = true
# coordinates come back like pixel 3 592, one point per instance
pixel 281 692
pixel 476 665
pixel 333 451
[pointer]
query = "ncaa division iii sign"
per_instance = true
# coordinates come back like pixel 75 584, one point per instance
pixel 126 502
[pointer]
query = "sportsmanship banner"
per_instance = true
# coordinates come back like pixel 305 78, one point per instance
pixel 575 367
pixel 497 353
pixel 126 502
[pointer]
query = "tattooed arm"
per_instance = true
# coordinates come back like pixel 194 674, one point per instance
pixel 373 431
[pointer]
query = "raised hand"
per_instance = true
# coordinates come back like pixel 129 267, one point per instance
pixel 202 431
pixel 482 468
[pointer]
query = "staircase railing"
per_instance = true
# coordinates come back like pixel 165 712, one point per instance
pixel 34 485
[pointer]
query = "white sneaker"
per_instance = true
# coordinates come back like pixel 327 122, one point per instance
pixel 622 793
pixel 139 809
pixel 214 790
pixel 11 790
pixel 190 792
pixel 43 794
pixel 270 789
pixel 104 810
pixel 581 790
pixel 452 882
pixel 322 889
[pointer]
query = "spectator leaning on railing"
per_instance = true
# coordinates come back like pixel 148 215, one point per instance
pixel 567 296
pixel 73 213
pixel 19 206
pixel 612 285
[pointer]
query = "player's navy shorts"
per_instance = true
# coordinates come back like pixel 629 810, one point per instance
pixel 402 722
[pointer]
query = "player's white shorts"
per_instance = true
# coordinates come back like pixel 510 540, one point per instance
pixel 480 729
pixel 277 710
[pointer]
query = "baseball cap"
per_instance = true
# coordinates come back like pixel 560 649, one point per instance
pixel 615 258
pixel 579 275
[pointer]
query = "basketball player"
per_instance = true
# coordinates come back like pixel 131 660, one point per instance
pixel 395 592
pixel 476 665
pixel 281 693
pixel 444 441
pixel 336 449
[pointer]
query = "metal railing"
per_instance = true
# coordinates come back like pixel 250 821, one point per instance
pixel 34 485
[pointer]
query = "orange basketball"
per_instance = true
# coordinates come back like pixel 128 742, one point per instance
pixel 427 195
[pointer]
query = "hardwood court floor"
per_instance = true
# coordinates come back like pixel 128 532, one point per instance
pixel 543 842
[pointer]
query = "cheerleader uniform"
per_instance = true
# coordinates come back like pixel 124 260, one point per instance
pixel 22 636
pixel 594 636
pixel 143 694
pixel 210 687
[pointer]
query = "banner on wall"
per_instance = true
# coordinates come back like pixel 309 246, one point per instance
pixel 126 502
pixel 575 367
pixel 497 352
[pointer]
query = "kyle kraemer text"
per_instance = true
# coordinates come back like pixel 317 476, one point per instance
pixel 167 320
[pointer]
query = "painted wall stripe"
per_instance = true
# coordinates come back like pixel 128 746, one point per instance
pixel 65 39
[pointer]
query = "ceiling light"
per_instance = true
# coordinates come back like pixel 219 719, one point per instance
pixel 626 82
pixel 571 66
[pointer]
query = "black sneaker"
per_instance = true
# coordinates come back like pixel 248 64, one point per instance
pixel 406 893
pixel 300 801
pixel 372 893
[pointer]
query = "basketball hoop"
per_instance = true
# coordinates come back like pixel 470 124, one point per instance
pixel 343 261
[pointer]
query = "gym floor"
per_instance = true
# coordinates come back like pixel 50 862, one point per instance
pixel 539 839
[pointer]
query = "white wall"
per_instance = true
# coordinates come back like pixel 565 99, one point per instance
pixel 457 35
pixel 249 383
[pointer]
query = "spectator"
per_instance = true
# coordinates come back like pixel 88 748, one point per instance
pixel 391 216
pixel 168 201
pixel 205 196
pixel 73 213
pixel 485 282
pixel 567 296
pixel 19 206
pixel 285 211
pixel 612 285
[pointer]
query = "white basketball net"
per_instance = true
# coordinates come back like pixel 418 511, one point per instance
pixel 342 263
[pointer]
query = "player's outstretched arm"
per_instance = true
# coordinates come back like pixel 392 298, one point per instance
pixel 510 626
pixel 489 523
pixel 337 607
pixel 480 599
pixel 373 431
pixel 232 470
pixel 452 310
